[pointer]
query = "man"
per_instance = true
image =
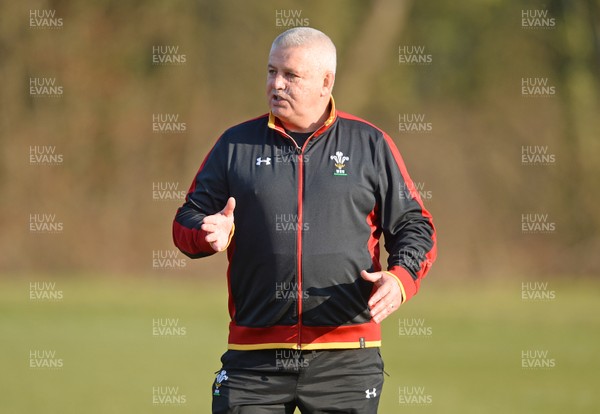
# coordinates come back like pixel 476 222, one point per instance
pixel 299 198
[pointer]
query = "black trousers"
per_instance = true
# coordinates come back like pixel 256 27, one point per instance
pixel 276 381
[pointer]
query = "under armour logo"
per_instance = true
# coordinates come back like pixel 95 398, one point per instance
pixel 267 161
pixel 370 393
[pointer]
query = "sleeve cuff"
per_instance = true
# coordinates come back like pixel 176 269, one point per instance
pixel 408 284
pixel 399 284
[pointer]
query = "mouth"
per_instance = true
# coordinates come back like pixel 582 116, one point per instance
pixel 277 99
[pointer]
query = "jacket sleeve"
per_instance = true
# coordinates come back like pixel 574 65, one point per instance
pixel 410 237
pixel 207 195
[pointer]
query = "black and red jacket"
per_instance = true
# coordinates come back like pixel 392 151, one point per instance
pixel 307 221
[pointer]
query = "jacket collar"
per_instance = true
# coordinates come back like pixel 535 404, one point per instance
pixel 275 123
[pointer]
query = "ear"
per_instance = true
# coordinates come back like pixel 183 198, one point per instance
pixel 328 82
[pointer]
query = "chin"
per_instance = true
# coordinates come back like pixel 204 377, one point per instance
pixel 279 112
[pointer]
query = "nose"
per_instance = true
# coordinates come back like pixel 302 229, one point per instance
pixel 278 82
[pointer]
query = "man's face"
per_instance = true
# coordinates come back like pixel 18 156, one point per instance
pixel 294 85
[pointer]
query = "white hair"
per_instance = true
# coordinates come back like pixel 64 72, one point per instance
pixel 307 36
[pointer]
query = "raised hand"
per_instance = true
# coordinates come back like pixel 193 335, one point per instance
pixel 218 226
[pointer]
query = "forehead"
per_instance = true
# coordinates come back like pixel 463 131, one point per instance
pixel 296 58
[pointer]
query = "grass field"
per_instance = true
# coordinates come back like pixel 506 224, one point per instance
pixel 465 354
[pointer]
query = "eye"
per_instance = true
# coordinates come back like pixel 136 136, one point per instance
pixel 271 71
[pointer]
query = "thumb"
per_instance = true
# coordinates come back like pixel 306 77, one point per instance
pixel 370 277
pixel 229 207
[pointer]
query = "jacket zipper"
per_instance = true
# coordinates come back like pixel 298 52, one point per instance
pixel 300 296
pixel 299 242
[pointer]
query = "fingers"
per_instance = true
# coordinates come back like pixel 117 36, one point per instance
pixel 380 293
pixel 216 222
pixel 214 219
pixel 382 310
pixel 216 240
pixel 382 306
pixel 209 227
pixel 218 229
pixel 216 235
pixel 212 238
pixel 370 277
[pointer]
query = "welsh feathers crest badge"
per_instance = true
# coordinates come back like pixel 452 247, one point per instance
pixel 339 158
pixel 221 377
